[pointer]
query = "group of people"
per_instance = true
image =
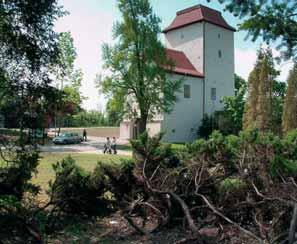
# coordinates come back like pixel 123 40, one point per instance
pixel 110 146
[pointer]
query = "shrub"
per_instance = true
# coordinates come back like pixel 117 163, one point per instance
pixel 74 191
pixel 208 125
pixel 15 177
pixel 231 184
pixel 118 178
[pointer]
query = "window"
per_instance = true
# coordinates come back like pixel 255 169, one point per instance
pixel 219 36
pixel 213 94
pixel 220 53
pixel 187 91
pixel 182 36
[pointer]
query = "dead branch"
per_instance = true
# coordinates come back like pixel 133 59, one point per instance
pixel 229 220
pixel 293 226
pixel 135 226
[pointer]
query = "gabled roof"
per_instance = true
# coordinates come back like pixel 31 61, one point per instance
pixel 197 14
pixel 182 64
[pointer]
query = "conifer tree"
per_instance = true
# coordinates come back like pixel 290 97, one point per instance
pixel 264 118
pixel 289 121
pixel 263 107
pixel 258 110
pixel 250 112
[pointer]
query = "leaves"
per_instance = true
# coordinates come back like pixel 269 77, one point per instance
pixel 136 63
pixel 273 21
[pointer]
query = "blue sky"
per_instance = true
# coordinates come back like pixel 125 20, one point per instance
pixel 90 23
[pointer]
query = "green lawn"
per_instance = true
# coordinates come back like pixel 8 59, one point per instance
pixel 86 161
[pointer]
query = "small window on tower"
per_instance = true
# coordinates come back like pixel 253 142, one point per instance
pixel 187 91
pixel 219 36
pixel 220 53
pixel 182 36
pixel 213 94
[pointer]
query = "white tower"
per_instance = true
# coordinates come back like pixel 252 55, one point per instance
pixel 207 40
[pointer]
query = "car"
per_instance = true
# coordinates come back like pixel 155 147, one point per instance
pixel 68 138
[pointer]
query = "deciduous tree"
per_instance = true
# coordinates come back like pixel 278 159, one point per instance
pixel 274 21
pixel 137 61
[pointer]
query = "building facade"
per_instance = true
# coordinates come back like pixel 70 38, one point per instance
pixel 201 45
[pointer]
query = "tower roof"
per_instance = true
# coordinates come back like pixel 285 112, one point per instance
pixel 197 14
pixel 182 64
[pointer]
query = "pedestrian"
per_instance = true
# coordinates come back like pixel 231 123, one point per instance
pixel 84 135
pixel 107 146
pixel 114 145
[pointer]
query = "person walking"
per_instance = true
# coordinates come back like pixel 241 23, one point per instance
pixel 107 146
pixel 84 135
pixel 114 145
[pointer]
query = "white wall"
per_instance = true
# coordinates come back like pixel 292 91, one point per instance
pixel 126 128
pixel 188 39
pixel 219 72
pixel 153 128
pixel 187 113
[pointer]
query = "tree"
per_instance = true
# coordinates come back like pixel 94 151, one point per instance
pixel 290 107
pixel 250 112
pixel 68 79
pixel 274 21
pixel 278 97
pixel 114 111
pixel 268 74
pixel 137 64
pixel 234 107
pixel 258 109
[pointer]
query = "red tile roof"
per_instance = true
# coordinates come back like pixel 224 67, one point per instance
pixel 182 64
pixel 197 14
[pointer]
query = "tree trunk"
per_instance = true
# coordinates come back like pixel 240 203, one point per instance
pixel 142 124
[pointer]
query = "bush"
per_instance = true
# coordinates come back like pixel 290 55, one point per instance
pixel 15 177
pixel 208 125
pixel 74 191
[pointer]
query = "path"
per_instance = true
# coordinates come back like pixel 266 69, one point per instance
pixel 94 145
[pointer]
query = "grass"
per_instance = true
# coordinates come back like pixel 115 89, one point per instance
pixel 86 161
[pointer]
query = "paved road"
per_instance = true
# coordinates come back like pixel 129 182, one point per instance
pixel 92 145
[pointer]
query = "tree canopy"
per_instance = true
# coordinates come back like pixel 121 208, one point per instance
pixel 274 21
pixel 137 63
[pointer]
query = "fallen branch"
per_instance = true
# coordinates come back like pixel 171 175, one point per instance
pixel 293 226
pixel 229 220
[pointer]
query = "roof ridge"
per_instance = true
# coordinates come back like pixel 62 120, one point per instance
pixel 198 6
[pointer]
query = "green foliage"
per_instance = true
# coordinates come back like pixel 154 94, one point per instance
pixel 119 178
pixel 264 95
pixel 138 76
pixel 208 125
pixel 289 121
pixel 154 151
pixel 115 110
pixel 87 119
pixel 231 184
pixel 234 108
pixel 273 21
pixel 16 175
pixel 74 191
